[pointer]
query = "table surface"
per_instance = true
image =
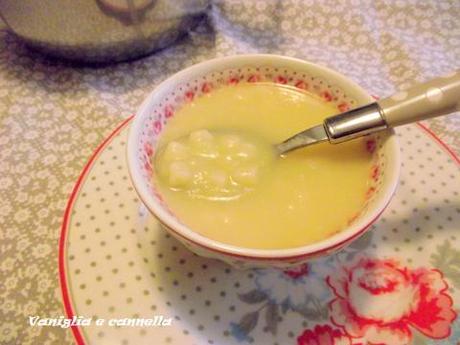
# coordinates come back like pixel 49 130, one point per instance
pixel 53 115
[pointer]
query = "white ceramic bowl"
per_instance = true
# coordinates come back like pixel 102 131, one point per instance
pixel 166 98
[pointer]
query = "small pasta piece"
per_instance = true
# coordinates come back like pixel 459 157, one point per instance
pixel 200 137
pixel 202 144
pixel 176 151
pixel 214 165
pixel 180 174
pixel 229 141
pixel 207 151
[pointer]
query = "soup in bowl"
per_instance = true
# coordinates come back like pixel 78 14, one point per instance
pixel 200 157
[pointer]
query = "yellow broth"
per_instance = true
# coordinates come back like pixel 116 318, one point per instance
pixel 300 198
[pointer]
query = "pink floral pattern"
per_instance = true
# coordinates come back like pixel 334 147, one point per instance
pixel 169 111
pixel 381 301
pixel 323 335
pixel 148 149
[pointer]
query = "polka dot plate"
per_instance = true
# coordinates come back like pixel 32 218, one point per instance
pixel 117 263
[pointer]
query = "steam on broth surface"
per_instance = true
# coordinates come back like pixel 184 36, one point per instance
pixel 216 170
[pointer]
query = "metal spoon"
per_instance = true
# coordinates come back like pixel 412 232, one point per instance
pixel 437 97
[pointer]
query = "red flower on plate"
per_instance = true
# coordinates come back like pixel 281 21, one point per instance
pixel 380 301
pixel 323 335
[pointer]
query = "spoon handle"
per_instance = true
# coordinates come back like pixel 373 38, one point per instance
pixel 436 97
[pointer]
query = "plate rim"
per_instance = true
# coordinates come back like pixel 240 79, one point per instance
pixel 66 300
